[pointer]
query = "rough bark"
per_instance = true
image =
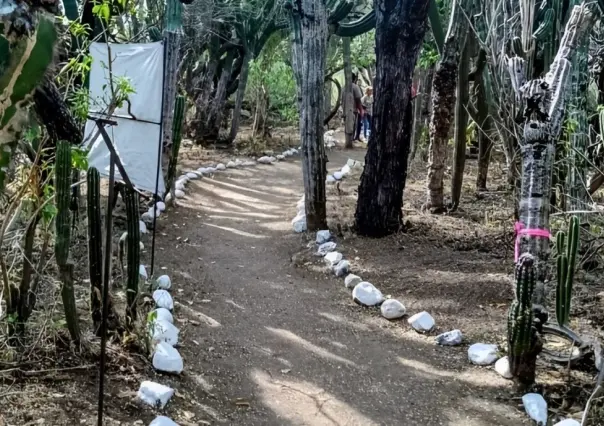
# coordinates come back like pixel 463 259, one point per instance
pixel 348 101
pixel 213 119
pixel 485 128
pixel 400 29
pixel 55 115
pixel 243 77
pixel 309 18
pixel 461 124
pixel 421 118
pixel 443 104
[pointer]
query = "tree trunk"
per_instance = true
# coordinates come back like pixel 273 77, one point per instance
pixel 215 111
pixel 243 77
pixel 443 104
pixel 309 50
pixel 348 99
pixel 461 124
pixel 485 128
pixel 421 120
pixel 380 200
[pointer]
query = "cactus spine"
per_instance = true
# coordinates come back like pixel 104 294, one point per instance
pixel 95 245
pixel 179 111
pixel 63 235
pixel 133 247
pixel 566 262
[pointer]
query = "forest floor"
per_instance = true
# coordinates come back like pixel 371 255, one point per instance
pixel 269 337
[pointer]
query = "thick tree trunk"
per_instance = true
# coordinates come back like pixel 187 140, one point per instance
pixel 213 120
pixel 461 124
pixel 485 128
pixel 443 104
pixel 309 19
pixel 55 115
pixel 243 77
pixel 349 123
pixel 400 29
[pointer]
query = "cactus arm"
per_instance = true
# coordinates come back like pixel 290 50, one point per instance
pixel 133 243
pixel 95 244
pixel 572 248
pixel 154 34
pixel 358 27
pixel 340 11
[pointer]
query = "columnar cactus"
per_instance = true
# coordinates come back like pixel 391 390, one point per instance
pixel 179 111
pixel 63 235
pixel 133 248
pixel 95 244
pixel 566 263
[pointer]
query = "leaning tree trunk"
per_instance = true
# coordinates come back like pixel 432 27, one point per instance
pixel 443 103
pixel 213 119
pixel 349 122
pixel 485 129
pixel 309 22
pixel 544 113
pixel 380 200
pixel 243 77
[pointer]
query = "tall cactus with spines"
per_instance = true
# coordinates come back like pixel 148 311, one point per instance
pixel 133 248
pixel 95 244
pixel 523 341
pixel 179 112
pixel 154 34
pixel 63 235
pixel 567 246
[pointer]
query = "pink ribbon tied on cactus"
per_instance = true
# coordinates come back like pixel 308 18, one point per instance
pixel 521 230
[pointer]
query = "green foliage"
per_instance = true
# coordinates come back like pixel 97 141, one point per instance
pixel 566 261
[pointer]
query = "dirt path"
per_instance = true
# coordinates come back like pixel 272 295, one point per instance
pixel 267 343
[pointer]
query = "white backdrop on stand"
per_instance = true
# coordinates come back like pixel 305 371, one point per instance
pixel 137 141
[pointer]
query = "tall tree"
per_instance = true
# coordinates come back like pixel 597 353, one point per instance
pixel 400 29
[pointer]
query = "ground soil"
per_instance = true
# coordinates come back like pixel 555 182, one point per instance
pixel 270 337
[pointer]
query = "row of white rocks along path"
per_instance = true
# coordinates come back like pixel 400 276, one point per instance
pixel 163 334
pixel 366 294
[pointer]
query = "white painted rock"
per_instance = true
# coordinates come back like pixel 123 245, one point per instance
pixel 422 322
pixel 294 150
pixel 482 354
pixel 147 217
pixel 164 331
pixel 351 163
pixel 299 223
pixel 162 421
pixel 161 206
pixel 568 422
pixel 326 248
pixel 323 236
pixel 342 268
pixel 192 175
pixel 163 299
pixel 333 258
pixel 179 193
pixel 142 227
pixel 238 162
pixel 248 163
pixel 142 271
pixel 272 159
pixel 163 314
pixel 450 338
pixel 300 205
pixel 536 408
pixel 264 160
pixel 345 170
pixel 365 293
pixel 231 165
pixel 163 282
pixel 168 197
pixel 184 178
pixel 203 171
pixel 287 153
pixel 220 166
pixel 155 394
pixel 179 185
pixel 280 157
pixel 166 358
pixel 152 211
pixel 210 170
pixel 352 280
pixel 338 175
pixel 392 309
pixel 330 179
pixel 502 366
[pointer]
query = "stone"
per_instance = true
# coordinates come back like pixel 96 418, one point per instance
pixel 238 162
pixel 299 223
pixel 203 171
pixel 167 359
pixel 162 314
pixel 294 150
pixel 330 179
pixel 142 227
pixel 323 236
pixel 220 166
pixel 153 211
pixel 392 309
pixel 192 175
pixel 280 157
pixel 163 282
pixel 161 206
pixel 342 268
pixel 164 331
pixel 155 394
pixel 365 294
pixel 422 322
pixel 482 354
pixel 179 193
pixel 147 217
pixel 351 163
pixel 184 178
pixel 272 159
pixel 162 421
pixel 210 169
pixel 168 197
pixel 142 271
pixel 352 280
pixel 248 163
pixel 326 248
pixel 536 408
pixel 231 165
pixel 568 422
pixel 179 185
pixel 163 299
pixel 450 338
pixel 502 367
pixel 345 170
pixel 333 258
pixel 338 175
pixel 264 160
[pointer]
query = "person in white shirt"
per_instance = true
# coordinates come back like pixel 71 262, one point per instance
pixel 367 102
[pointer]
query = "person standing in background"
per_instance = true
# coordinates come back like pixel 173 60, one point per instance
pixel 367 102
pixel 357 95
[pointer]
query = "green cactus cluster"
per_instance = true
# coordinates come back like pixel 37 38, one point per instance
pixel 521 333
pixel 95 243
pixel 133 249
pixel 567 245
